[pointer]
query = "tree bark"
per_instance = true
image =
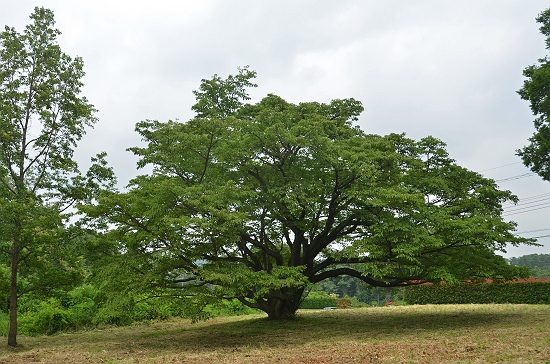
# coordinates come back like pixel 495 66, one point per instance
pixel 281 304
pixel 12 334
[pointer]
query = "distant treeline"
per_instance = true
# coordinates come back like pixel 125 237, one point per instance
pixel 538 263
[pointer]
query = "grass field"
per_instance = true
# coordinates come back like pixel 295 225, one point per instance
pixel 407 334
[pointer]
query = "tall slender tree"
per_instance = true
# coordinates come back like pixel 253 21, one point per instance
pixel 42 117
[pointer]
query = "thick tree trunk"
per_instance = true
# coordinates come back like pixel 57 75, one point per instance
pixel 12 335
pixel 281 304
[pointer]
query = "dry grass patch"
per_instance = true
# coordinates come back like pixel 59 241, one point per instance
pixel 408 334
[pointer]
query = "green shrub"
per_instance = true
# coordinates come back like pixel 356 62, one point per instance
pixel 158 309
pixel 82 314
pixel 527 291
pixel 229 308
pixel 118 312
pixel 86 306
pixel 318 300
pixel 48 317
pixel 82 305
pixel 355 302
pixel 4 323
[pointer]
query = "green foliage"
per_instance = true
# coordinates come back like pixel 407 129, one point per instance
pixel 42 118
pixel 117 311
pixel 82 306
pixel 229 308
pixel 318 300
pixel 535 89
pixel 159 308
pixel 220 98
pixel 530 292
pixel 86 306
pixel 258 201
pixel 4 288
pixel 46 317
pixel 538 263
pixel 343 286
pixel 532 261
pixel 71 310
pixel 355 303
pixel 540 272
pixel 4 323
pixel 360 292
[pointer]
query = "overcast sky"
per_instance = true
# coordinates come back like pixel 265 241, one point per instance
pixel 449 69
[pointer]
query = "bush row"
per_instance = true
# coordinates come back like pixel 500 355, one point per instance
pixel 319 300
pixel 530 292
pixel 84 307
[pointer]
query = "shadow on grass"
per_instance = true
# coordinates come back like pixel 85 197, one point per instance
pixel 396 324
pixel 331 326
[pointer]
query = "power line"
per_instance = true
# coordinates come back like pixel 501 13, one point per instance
pixel 528 204
pixel 533 231
pixel 535 197
pixel 519 176
pixel 529 200
pixel 506 165
pixel 518 211
pixel 531 203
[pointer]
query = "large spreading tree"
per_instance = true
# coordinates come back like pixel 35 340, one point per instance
pixel 42 117
pixel 259 201
pixel 536 90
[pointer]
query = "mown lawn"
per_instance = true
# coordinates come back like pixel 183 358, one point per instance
pixel 407 334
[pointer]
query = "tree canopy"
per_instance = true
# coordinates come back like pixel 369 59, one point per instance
pixel 42 117
pixel 535 89
pixel 258 201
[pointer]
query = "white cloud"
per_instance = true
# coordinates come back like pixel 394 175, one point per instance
pixel 428 67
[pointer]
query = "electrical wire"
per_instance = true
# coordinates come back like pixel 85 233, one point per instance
pixel 533 231
pixel 526 209
pixel 519 176
pixel 532 203
pixel 535 197
pixel 506 165
pixel 528 204
pixel 528 200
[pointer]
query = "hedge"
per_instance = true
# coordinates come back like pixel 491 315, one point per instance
pixel 318 300
pixel 525 291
